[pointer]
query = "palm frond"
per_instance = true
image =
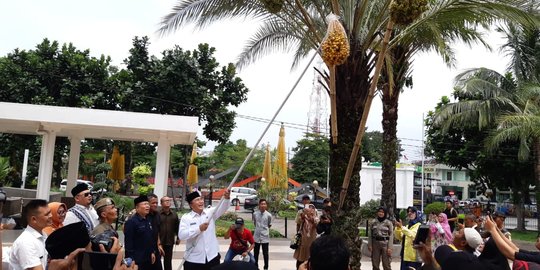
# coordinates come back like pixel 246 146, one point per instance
pixel 272 36
pixel 448 21
pixel 515 127
pixel 205 12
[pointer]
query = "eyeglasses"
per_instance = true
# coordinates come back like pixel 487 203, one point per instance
pixel 86 194
pixel 61 212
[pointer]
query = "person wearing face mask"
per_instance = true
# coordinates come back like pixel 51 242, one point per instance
pixel 380 240
pixel 406 234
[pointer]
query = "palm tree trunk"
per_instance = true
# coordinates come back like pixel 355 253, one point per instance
pixel 365 113
pixel 351 93
pixel 389 148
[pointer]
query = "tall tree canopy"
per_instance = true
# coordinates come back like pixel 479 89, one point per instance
pixel 180 82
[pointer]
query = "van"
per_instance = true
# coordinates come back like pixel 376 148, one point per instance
pixel 239 194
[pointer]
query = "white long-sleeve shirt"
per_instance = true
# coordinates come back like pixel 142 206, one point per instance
pixel 201 246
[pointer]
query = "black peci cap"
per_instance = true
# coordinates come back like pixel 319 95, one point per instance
pixel 66 239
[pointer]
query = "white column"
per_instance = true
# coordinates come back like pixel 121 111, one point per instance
pixel 73 165
pixel 162 166
pixel 46 165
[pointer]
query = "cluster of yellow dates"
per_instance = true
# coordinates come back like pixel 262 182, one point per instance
pixel 335 45
pixel 404 12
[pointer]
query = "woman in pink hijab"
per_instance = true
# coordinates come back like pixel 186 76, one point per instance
pixel 440 232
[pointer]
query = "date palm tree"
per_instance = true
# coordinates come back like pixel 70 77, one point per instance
pixel 507 108
pixel 299 28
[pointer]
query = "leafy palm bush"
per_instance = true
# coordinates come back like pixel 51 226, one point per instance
pixel 4 169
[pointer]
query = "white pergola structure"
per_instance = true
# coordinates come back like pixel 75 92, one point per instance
pixel 78 124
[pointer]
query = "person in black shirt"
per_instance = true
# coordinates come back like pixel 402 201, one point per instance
pixel 507 248
pixel 451 214
pixel 138 233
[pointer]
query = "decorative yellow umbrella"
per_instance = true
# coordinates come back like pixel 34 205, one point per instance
pixel 280 165
pixel 267 168
pixel 192 175
pixel 117 172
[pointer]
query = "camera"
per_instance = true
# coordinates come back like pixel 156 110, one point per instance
pixel 104 238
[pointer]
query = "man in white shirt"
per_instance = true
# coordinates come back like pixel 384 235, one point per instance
pixel 82 210
pixel 198 228
pixel 28 250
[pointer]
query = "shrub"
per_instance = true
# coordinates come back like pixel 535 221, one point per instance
pixel 145 190
pixel 287 214
pixel 436 207
pixel 369 209
pixel 122 202
pixel 140 173
pixel 229 216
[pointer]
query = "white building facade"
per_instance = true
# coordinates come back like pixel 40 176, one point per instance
pixel 371 187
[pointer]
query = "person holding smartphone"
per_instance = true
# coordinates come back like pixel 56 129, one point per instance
pixel 406 234
pixel 440 232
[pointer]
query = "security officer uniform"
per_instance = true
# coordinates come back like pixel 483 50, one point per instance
pixel 380 240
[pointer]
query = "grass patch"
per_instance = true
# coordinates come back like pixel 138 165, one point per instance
pixel 223 225
pixel 529 236
pixel 363 232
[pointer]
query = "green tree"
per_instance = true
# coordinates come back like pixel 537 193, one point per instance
pixel 486 100
pixel 310 160
pixel 299 28
pixel 372 146
pixel 5 169
pixel 231 155
pixel 522 122
pixel 56 75
pixel 181 82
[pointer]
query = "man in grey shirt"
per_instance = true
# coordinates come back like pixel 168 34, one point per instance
pixel 263 221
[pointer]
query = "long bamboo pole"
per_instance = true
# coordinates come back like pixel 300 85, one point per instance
pixel 335 7
pixel 248 157
pixel 365 114
pixel 333 108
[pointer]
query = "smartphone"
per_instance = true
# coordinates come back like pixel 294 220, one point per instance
pixel 396 216
pixel 96 260
pixel 421 234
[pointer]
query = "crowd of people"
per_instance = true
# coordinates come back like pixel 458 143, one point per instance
pixel 476 242
pixel 83 237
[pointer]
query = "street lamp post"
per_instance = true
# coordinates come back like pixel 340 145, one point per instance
pixel 211 178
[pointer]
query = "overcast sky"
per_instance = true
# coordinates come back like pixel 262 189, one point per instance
pixel 108 27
